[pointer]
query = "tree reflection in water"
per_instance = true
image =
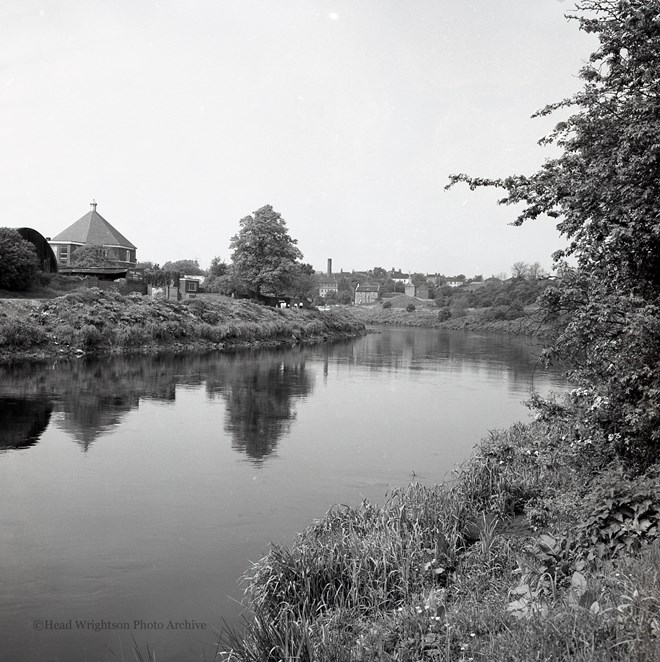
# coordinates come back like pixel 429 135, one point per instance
pixel 260 390
pixel 94 395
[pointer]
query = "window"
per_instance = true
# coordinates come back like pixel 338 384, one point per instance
pixel 64 254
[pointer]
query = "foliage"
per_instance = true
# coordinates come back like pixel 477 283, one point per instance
pixel 91 256
pixel 18 261
pixel 410 308
pixel 188 267
pixel 303 281
pixel 623 514
pixel 220 277
pixel 604 191
pixel 264 255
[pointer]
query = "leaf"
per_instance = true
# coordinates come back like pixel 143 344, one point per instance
pixel 521 589
pixel 578 583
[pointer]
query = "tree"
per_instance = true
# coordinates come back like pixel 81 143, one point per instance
pixel 535 270
pixel 18 261
pixel 604 191
pixel 303 282
pixel 90 256
pixel 519 270
pixel 264 254
pixel 189 267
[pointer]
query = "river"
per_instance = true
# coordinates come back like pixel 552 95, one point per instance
pixel 136 490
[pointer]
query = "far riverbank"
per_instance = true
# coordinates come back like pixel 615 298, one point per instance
pixel 426 314
pixel 93 321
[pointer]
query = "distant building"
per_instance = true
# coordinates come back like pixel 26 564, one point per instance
pixel 398 276
pixel 455 282
pixel 419 291
pixel 45 254
pixel 93 229
pixel 328 283
pixel 435 279
pixel 366 293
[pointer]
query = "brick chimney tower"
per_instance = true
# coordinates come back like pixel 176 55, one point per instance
pixel 329 266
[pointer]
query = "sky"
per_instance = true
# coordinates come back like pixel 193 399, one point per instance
pixel 182 117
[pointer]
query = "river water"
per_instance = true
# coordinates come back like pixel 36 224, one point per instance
pixel 135 491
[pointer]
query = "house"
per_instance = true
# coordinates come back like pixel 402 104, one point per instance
pixel 93 229
pixel 455 282
pixel 398 276
pixel 366 293
pixel 328 284
pixel 420 291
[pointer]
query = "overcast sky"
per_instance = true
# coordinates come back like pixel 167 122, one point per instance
pixel 182 117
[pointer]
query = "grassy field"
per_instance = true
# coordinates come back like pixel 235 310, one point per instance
pixel 96 321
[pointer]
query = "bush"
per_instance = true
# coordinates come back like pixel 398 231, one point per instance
pixel 131 336
pixel 89 336
pixel 18 261
pixel 15 333
pixel 387 304
pixel 410 308
pixel 444 314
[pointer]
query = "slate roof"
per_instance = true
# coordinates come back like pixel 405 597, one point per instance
pixel 92 228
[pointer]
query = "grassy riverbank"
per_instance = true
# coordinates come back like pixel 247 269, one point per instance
pixel 92 321
pixel 528 322
pixel 540 549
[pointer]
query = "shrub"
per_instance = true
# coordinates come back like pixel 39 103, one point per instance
pixel 444 314
pixel 387 304
pixel 623 514
pixel 89 336
pixel 18 261
pixel 15 333
pixel 131 336
pixel 410 308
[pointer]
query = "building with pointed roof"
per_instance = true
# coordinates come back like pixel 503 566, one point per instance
pixel 93 229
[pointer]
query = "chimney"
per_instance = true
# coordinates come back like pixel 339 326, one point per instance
pixel 93 205
pixel 329 266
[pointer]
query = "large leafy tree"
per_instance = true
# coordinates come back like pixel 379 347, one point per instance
pixel 18 261
pixel 604 191
pixel 188 267
pixel 265 257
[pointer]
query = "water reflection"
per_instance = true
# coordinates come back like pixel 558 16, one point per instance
pixel 393 350
pixel 93 396
pixel 260 391
pixel 22 421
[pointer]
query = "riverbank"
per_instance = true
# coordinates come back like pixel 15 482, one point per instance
pixel 538 550
pixel 92 321
pixel 426 314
